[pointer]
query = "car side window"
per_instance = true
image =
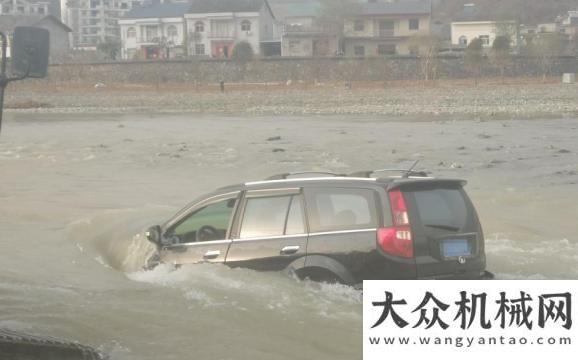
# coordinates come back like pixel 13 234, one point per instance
pixel 264 216
pixel 206 224
pixel 334 209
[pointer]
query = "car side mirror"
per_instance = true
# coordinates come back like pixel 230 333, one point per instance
pixel 154 235
pixel 30 51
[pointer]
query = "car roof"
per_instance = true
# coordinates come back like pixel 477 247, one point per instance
pixel 341 181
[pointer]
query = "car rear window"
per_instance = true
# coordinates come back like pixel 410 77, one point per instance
pixel 441 207
pixel 336 209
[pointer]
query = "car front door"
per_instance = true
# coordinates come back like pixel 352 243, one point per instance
pixel 271 231
pixel 201 234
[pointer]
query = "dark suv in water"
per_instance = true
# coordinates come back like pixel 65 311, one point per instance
pixel 337 228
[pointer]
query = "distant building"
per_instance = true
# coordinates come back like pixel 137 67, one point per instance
pixel 302 32
pixel 155 31
pixel 209 28
pixel 472 24
pixel 24 7
pixel 215 26
pixel 95 21
pixel 59 32
pixel 385 28
pixel 463 32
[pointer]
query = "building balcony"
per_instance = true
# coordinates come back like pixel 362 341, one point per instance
pixel 387 33
pixel 148 41
pixel 301 30
pixel 378 34
pixel 228 35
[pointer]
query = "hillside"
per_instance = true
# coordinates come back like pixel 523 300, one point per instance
pixel 529 12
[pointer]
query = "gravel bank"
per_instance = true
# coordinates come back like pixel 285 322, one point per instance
pixel 519 101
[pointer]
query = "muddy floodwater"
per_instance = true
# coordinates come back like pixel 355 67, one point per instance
pixel 76 191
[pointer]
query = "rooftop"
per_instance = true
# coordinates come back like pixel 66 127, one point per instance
pixel 393 8
pixel 9 22
pixel 296 9
pixel 218 6
pixel 159 10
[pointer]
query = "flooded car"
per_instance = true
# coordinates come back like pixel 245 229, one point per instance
pixel 335 228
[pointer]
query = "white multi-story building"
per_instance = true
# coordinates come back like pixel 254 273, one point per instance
pixel 156 31
pixel 208 28
pixel 94 21
pixel 215 26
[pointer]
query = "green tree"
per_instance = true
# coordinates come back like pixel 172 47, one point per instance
pixel 110 48
pixel 474 58
pixel 243 52
pixel 501 56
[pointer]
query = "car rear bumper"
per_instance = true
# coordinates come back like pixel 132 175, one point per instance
pixel 484 275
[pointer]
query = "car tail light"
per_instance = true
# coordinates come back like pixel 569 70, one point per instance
pixel 397 239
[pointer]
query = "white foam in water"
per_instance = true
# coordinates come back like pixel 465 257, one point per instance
pixel 212 285
pixel 532 258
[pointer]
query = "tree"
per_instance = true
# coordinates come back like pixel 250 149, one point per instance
pixel 427 47
pixel 474 58
pixel 500 55
pixel 242 52
pixel 546 48
pixel 110 48
pixel 332 15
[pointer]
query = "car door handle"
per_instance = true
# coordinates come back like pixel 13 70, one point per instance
pixel 211 254
pixel 289 250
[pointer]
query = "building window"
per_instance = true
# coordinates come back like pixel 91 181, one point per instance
pixel 485 39
pixel 359 50
pixel 358 25
pixel 199 27
pixel 199 49
pixel 294 45
pixel 386 49
pixel 463 41
pixel 414 24
pixel 245 25
pixel 172 31
pixel 131 33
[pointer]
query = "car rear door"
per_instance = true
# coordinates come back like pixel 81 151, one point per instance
pixel 447 235
pixel 271 232
pixel 201 234
pixel 342 226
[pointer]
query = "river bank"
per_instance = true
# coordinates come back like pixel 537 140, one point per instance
pixel 443 100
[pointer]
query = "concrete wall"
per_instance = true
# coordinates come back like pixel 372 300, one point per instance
pixel 302 46
pixel 283 69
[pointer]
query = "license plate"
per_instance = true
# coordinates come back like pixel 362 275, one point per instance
pixel 456 248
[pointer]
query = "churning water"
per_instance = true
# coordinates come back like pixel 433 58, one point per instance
pixel 76 193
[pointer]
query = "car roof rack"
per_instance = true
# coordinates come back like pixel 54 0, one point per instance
pixel 405 172
pixel 287 175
